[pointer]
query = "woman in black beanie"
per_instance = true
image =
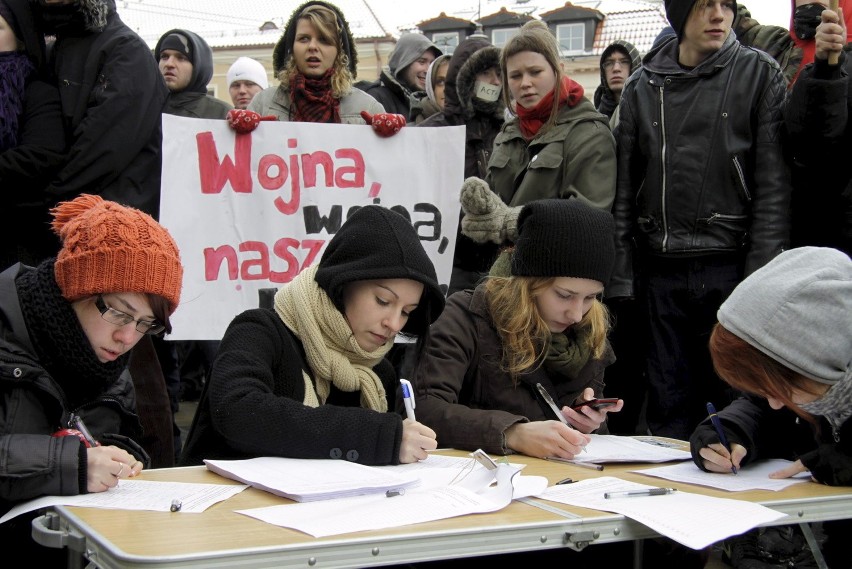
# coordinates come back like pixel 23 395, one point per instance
pixel 537 319
pixel 309 378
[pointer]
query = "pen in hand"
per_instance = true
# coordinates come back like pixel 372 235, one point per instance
pixel 76 422
pixel 545 396
pixel 408 398
pixel 717 424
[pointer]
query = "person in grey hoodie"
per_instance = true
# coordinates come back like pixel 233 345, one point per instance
pixel 618 62
pixel 784 337
pixel 403 83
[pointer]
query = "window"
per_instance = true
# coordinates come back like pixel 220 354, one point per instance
pixel 446 41
pixel 500 37
pixel 571 38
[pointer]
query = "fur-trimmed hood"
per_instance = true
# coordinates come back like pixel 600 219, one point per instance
pixel 82 15
pixel 473 56
pixel 284 48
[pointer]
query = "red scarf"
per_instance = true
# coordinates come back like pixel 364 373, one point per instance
pixel 531 120
pixel 312 99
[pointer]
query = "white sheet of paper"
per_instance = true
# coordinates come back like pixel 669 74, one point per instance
pixel 139 495
pixel 304 480
pixel 362 513
pixel 754 476
pixel 615 448
pixel 693 520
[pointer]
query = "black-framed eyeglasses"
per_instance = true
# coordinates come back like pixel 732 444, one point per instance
pixel 119 318
pixel 610 63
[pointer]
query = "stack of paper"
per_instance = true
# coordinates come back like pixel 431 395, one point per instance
pixel 305 480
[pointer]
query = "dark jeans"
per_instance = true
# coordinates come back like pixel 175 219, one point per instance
pixel 682 296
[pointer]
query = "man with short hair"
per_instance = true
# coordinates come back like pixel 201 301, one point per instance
pixel 699 134
pixel 186 64
pixel 246 78
pixel 403 83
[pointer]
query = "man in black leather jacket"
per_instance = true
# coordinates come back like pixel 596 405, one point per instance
pixel 702 196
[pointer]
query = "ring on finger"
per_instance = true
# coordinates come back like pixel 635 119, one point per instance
pixel 120 470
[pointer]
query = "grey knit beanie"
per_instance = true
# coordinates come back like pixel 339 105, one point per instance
pixel 797 309
pixel 564 238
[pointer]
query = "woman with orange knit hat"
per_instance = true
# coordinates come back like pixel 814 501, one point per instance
pixel 66 331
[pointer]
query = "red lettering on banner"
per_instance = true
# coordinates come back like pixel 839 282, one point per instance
pixel 214 173
pixel 259 267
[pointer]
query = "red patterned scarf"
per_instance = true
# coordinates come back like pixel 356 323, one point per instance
pixel 312 99
pixel 531 120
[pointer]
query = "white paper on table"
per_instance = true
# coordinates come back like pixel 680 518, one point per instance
pixel 362 513
pixel 753 476
pixel 616 448
pixel 304 480
pixel 139 495
pixel 693 520
pixel 438 471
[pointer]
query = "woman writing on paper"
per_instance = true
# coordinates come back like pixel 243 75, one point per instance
pixel 309 379
pixel 784 337
pixel 537 319
pixel 67 328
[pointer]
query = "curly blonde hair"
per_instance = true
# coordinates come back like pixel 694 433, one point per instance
pixel 326 25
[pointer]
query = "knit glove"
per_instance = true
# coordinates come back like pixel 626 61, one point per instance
pixel 385 124
pixel 486 217
pixel 244 120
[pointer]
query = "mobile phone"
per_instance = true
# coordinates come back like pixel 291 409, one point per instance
pixel 596 404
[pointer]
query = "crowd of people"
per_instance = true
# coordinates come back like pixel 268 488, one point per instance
pixel 681 236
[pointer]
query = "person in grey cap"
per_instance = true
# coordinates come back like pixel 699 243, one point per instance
pixel 784 337
pixel 403 83
pixel 537 319
pixel 308 378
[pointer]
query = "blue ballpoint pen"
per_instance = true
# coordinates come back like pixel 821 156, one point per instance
pixel 721 432
pixel 408 398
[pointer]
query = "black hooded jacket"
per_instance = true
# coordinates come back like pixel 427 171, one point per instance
pixel 483 120
pixel 112 98
pixel 193 101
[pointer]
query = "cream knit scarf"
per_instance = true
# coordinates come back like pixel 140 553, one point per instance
pixel 333 354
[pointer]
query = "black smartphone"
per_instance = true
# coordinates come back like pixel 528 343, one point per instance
pixel 597 403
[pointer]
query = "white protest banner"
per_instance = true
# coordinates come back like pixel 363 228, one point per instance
pixel 250 211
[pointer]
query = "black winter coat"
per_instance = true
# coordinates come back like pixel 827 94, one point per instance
pixel 252 404
pixel 700 162
pixel 818 116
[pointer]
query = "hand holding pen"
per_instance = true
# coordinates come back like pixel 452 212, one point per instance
pixel 723 439
pixel 416 437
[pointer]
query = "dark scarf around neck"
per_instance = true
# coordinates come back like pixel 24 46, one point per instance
pixel 60 342
pixel 312 99
pixel 15 69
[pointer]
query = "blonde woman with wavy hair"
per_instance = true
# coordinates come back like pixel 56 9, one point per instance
pixel 316 62
pixel 536 323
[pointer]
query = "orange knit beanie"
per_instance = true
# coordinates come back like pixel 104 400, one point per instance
pixel 108 248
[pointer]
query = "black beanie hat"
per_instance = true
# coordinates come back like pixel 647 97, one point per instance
pixel 377 243
pixel 564 238
pixel 677 11
pixel 177 42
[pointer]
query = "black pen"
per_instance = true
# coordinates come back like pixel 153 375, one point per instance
pixel 636 493
pixel 76 421
pixel 717 424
